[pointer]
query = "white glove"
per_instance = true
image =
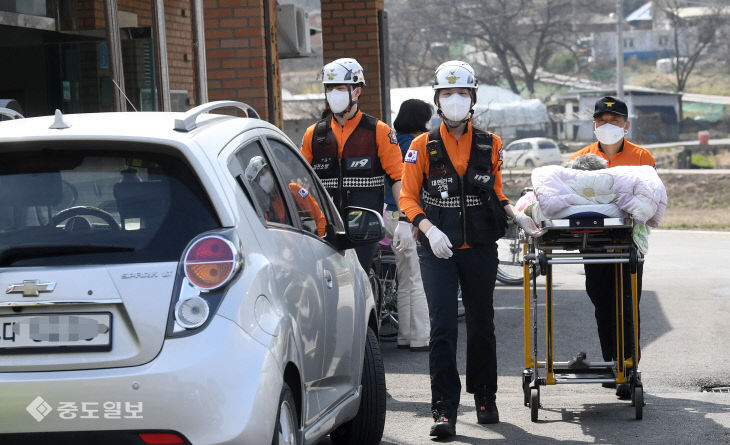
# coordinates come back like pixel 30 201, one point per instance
pixel 528 225
pixel 440 244
pixel 403 236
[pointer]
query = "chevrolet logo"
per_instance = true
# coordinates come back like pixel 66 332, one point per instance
pixel 31 288
pixel 609 104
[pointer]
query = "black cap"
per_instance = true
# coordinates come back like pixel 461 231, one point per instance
pixel 611 105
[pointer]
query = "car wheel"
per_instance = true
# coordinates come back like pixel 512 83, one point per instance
pixel 529 163
pixel 367 427
pixel 287 424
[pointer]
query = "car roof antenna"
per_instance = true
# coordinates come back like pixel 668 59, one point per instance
pixel 125 96
pixel 58 122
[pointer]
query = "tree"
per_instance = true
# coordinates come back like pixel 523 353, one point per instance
pixel 522 34
pixel 693 31
pixel 417 42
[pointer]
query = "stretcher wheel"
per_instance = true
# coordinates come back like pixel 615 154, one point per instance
pixel 534 403
pixel 526 392
pixel 526 380
pixel 638 398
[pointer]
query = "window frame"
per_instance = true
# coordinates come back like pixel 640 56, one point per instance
pixel 234 163
pixel 325 204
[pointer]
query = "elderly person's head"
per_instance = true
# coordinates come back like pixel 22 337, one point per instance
pixel 588 161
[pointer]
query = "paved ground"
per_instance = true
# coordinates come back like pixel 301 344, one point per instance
pixel 686 312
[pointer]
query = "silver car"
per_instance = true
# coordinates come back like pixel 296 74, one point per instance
pixel 179 278
pixel 531 152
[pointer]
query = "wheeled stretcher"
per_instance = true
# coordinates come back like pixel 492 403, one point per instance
pixel 582 238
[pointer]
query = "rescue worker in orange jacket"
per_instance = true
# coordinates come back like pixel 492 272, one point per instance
pixel 259 174
pixel 610 121
pixel 457 170
pixel 353 153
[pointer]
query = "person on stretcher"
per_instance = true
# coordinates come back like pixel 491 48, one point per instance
pixel 526 205
pixel 588 186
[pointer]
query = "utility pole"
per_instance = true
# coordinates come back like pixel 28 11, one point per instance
pixel 619 50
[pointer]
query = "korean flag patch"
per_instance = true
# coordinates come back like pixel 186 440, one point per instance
pixel 303 192
pixel 411 156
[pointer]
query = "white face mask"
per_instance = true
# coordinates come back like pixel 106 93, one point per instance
pixel 266 181
pixel 609 134
pixel 455 107
pixel 338 100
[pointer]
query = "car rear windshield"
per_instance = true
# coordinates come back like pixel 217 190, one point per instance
pixel 76 203
pixel 546 145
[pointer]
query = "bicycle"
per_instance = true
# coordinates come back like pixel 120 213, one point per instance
pixel 509 252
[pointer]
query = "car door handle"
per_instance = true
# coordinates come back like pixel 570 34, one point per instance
pixel 328 279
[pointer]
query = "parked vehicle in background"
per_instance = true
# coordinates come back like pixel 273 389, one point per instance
pixel 531 152
pixel 158 290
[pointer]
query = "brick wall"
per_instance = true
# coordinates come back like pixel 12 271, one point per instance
pixel 90 14
pixel 235 45
pixel 350 29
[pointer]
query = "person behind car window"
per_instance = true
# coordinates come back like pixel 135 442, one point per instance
pixel 351 152
pixel 458 169
pixel 413 324
pixel 259 174
pixel 611 123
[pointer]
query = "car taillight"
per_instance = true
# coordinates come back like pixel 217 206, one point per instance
pixel 207 266
pixel 210 262
pixel 161 438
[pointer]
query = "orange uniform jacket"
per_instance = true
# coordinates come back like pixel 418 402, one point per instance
pixel 458 151
pixel 304 202
pixel 388 151
pixel 629 154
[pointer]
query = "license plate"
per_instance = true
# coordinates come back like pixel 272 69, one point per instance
pixel 56 332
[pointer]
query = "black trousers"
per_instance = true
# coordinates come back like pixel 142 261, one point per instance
pixel 601 288
pixel 365 255
pixel 476 270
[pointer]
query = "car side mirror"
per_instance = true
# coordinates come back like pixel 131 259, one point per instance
pixel 362 226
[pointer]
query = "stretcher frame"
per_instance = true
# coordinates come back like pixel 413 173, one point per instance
pixel 580 240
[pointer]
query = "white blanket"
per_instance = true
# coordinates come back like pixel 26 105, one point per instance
pixel 637 190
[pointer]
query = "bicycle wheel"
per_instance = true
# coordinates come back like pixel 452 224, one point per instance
pixel 509 252
pixel 388 311
pixel 460 311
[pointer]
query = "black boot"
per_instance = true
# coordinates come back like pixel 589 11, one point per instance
pixel 486 407
pixel 444 423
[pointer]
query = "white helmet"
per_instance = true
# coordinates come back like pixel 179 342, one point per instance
pixel 343 71
pixel 254 167
pixel 455 74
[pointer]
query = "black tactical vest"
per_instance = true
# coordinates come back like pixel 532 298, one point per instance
pixel 466 208
pixel 357 178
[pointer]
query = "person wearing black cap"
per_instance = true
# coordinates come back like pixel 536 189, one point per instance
pixel 610 123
